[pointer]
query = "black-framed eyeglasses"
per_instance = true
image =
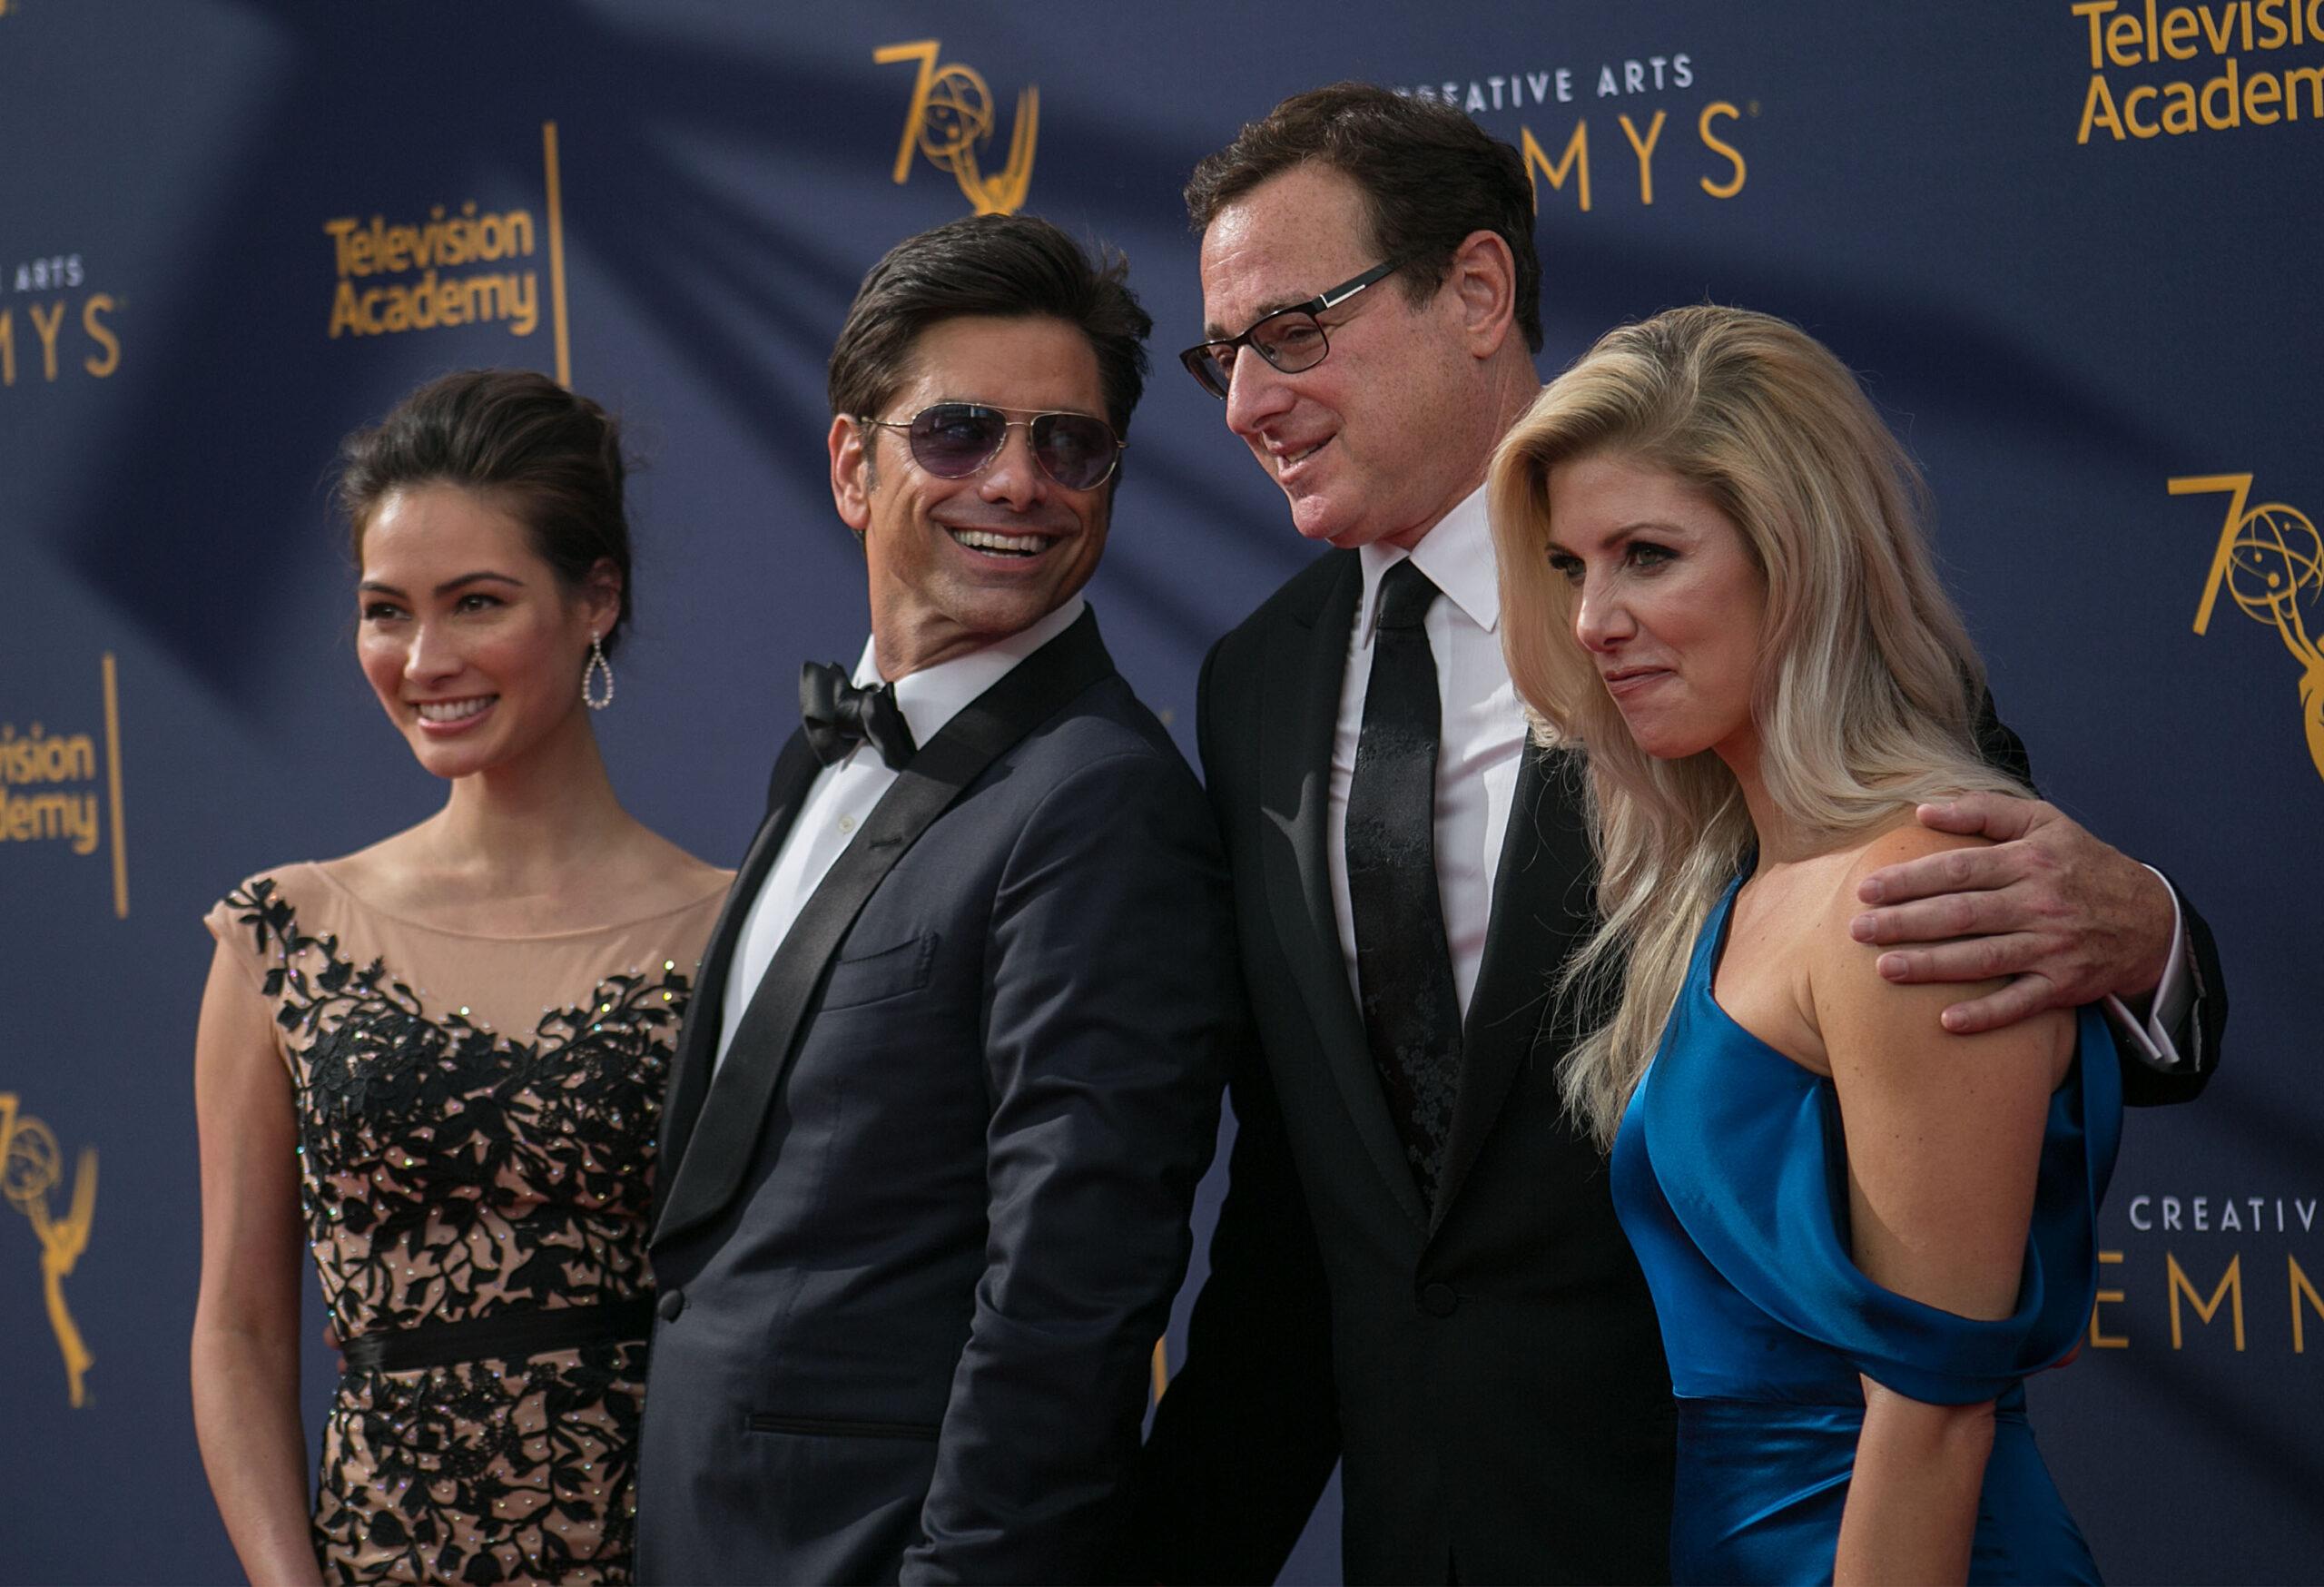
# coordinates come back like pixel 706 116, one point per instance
pixel 954 439
pixel 1291 339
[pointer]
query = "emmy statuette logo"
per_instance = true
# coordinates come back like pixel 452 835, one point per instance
pixel 2271 562
pixel 950 118
pixel 34 1167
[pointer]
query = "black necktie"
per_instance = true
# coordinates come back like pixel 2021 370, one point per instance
pixel 838 716
pixel 1411 1013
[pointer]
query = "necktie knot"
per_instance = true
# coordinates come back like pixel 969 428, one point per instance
pixel 1406 595
pixel 837 716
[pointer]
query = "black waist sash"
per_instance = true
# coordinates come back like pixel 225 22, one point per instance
pixel 516 1334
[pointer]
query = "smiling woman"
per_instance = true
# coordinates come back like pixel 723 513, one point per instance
pixel 438 1062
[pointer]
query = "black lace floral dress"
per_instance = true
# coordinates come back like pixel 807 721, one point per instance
pixel 477 1121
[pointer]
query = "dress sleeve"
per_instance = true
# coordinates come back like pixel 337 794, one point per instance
pixel 253 924
pixel 1786 1245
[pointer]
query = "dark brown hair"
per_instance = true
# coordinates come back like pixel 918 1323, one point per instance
pixel 1009 266
pixel 1430 177
pixel 550 457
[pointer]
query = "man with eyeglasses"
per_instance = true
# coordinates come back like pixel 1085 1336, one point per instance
pixel 1417 1271
pixel 938 1106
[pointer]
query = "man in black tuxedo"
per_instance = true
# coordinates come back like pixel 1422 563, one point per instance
pixel 1417 1271
pixel 953 1069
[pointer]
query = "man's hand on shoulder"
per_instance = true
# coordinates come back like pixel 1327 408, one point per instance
pixel 2068 918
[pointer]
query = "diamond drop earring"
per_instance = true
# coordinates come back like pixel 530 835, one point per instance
pixel 599 667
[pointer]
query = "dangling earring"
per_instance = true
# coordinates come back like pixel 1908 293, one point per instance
pixel 599 667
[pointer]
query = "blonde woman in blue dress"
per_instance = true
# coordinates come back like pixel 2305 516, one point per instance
pixel 1861 1232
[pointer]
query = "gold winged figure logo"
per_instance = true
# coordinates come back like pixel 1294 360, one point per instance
pixel 33 1167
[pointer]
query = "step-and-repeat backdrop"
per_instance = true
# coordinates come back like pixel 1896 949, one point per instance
pixel 2073 246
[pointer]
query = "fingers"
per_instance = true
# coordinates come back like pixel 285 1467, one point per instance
pixel 2021 999
pixel 1931 875
pixel 1999 816
pixel 1971 958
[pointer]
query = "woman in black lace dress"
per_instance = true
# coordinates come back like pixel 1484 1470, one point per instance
pixel 438 1063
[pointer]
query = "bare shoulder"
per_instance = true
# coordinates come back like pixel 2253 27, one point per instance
pixel 1900 844
pixel 1864 1013
pixel 1847 986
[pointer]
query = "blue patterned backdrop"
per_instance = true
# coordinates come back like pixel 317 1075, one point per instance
pixel 2072 245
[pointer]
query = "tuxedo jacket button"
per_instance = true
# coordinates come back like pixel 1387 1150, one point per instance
pixel 672 1303
pixel 1439 1301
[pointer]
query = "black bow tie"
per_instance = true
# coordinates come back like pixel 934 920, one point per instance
pixel 838 716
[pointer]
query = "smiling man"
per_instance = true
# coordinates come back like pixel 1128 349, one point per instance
pixel 1417 1271
pixel 939 1109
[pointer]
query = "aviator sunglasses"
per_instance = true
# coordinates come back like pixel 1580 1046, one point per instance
pixel 954 439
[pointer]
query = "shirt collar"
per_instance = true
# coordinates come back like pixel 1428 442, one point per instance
pixel 933 695
pixel 1457 556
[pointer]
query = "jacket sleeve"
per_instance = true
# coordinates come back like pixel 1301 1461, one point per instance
pixel 1248 1431
pixel 2198 1033
pixel 1111 990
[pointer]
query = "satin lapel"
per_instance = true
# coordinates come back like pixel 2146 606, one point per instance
pixel 1542 913
pixel 794 774
pixel 718 1153
pixel 1306 662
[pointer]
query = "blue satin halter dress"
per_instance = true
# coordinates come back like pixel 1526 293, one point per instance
pixel 1729 1176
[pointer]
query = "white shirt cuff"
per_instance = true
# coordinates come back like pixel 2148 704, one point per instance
pixel 2150 1039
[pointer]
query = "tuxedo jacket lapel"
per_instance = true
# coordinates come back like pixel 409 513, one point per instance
pixel 716 1149
pixel 794 774
pixel 1301 716
pixel 1542 913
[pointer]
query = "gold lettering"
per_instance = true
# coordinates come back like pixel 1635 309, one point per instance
pixel 2178 108
pixel 2314 77
pixel 2098 109
pixel 924 50
pixel 1645 151
pixel 2301 1288
pixel 2122 46
pixel 2237 488
pixel 341 234
pixel 2231 1288
pixel 46 327
pixel 1576 158
pixel 2100 1340
pixel 2178 27
pixel 1729 189
pixel 2227 85
pixel 2262 90
pixel 522 293
pixel 2223 34
pixel 2270 13
pixel 98 334
pixel 7 348
pixel 2094 10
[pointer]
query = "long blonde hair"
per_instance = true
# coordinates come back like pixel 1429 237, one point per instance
pixel 1867 688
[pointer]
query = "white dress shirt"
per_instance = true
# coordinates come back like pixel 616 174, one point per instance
pixel 1482 742
pixel 843 795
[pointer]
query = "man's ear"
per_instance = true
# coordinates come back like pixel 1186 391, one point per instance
pixel 851 480
pixel 1483 279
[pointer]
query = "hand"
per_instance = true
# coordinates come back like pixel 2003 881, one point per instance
pixel 2069 918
